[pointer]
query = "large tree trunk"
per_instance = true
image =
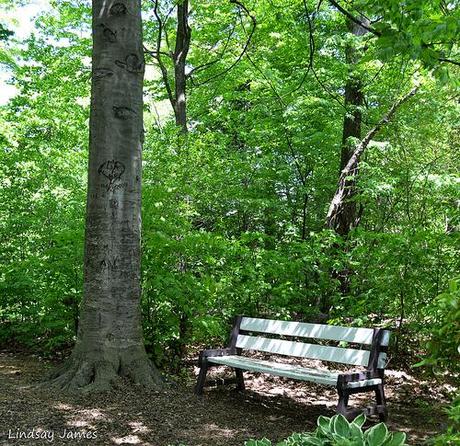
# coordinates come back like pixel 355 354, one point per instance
pixel 109 341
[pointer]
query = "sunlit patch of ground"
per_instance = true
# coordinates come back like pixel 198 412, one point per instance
pixel 270 407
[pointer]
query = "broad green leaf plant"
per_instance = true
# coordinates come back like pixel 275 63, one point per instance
pixel 337 431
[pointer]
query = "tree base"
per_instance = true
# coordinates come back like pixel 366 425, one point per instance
pixel 101 372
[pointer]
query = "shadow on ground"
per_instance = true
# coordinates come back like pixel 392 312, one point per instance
pixel 270 407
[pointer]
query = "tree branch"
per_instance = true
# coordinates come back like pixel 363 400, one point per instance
pixel 348 174
pixel 212 62
pixel 157 55
pixel 354 19
pixel 455 62
pixel 311 44
pixel 245 48
pixel 378 33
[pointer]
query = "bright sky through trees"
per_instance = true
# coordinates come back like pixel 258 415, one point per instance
pixel 20 20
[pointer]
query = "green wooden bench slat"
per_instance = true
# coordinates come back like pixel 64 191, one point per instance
pixel 304 350
pixel 316 331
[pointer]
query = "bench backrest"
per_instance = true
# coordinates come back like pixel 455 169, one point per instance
pixel 246 335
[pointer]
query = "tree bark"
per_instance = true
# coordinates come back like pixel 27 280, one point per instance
pixel 177 94
pixel 354 99
pixel 109 341
pixel 180 57
pixel 347 177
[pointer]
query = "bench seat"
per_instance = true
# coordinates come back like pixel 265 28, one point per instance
pixel 319 376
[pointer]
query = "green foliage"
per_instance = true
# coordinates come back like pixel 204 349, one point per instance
pixel 200 268
pixel 42 186
pixel 452 436
pixel 337 431
pixel 233 214
pixel 5 33
pixel 443 349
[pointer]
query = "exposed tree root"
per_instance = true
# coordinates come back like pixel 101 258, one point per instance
pixel 90 374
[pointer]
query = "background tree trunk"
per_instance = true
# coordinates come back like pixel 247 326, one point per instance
pixel 180 57
pixel 354 99
pixel 348 174
pixel 110 342
pixel 176 92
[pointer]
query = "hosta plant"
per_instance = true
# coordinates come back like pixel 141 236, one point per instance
pixel 337 431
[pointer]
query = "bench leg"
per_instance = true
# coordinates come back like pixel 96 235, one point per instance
pixel 239 379
pixel 343 402
pixel 381 401
pixel 201 378
pixel 379 408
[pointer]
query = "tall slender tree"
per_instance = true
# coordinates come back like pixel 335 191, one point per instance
pixel 178 90
pixel 348 174
pixel 183 35
pixel 109 341
pixel 354 100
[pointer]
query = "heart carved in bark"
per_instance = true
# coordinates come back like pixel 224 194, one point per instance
pixel 112 170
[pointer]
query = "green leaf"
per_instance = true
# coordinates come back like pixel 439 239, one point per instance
pixel 341 426
pixel 376 435
pixel 325 424
pixel 396 439
pixel 453 286
pixel 263 442
pixel 314 441
pixel 357 435
pixel 359 420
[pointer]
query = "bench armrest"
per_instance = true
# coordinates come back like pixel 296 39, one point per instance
pixel 213 352
pixel 345 378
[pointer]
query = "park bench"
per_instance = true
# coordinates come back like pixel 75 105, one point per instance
pixel 272 336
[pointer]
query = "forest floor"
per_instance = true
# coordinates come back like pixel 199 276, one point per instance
pixel 270 407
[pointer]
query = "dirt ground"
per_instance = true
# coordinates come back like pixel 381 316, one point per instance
pixel 270 407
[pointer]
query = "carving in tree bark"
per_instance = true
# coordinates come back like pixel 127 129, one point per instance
pixel 347 176
pixel 109 341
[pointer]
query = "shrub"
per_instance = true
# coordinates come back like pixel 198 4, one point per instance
pixel 452 436
pixel 443 352
pixel 444 346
